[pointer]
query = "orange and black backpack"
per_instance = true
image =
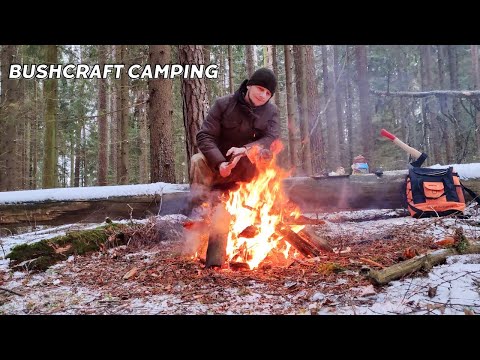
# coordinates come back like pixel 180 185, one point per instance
pixel 435 192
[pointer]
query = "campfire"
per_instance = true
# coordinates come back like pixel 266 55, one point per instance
pixel 256 223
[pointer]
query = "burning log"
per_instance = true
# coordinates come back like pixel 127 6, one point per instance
pixel 249 232
pixel 217 240
pixel 299 243
pixel 239 266
pixel 308 233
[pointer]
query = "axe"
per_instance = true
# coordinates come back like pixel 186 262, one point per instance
pixel 418 156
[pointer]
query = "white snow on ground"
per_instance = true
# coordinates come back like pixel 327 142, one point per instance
pixel 89 193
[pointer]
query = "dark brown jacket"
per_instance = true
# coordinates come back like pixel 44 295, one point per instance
pixel 230 122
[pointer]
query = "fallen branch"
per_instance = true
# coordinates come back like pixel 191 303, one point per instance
pixel 420 94
pixel 371 262
pixel 12 291
pixel 426 262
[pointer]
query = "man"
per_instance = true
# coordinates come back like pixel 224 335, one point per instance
pixel 234 124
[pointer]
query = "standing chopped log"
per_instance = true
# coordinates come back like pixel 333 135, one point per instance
pixel 217 240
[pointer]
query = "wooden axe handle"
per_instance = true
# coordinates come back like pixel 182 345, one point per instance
pixel 414 152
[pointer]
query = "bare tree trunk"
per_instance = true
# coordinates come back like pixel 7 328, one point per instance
pixel 301 84
pixel 331 114
pixel 339 81
pixel 143 136
pixel 84 155
pixel 365 117
pixel 446 126
pixel 33 144
pixel 118 87
pixel 476 85
pixel 348 107
pixel 249 60
pixel 49 175
pixel 125 148
pixel 78 155
pixel 453 70
pixel 195 101
pixel 206 55
pixel 160 117
pixel 313 112
pixel 223 73
pixel 432 109
pixel 292 128
pixel 113 114
pixel 230 69
pixel 8 121
pixel 276 98
pixel 102 120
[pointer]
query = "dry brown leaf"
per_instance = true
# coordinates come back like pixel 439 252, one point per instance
pixel 468 312
pixel 409 253
pixel 130 273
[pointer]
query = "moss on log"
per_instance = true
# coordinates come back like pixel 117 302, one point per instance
pixel 43 254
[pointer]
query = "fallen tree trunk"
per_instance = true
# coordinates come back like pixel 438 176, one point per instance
pixel 311 194
pixel 91 211
pixel 397 271
pixel 43 254
pixel 356 192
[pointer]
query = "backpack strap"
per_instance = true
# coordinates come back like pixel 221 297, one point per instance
pixel 471 193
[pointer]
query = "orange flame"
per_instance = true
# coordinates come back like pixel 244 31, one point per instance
pixel 259 204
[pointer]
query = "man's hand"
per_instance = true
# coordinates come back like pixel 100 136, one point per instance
pixel 237 152
pixel 225 168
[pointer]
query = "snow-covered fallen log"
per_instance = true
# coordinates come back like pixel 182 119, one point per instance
pixel 94 204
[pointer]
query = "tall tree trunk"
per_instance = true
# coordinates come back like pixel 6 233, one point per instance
pixel 364 99
pixel 206 54
pixel 443 122
pixel 268 56
pixel 84 155
pixel 78 155
pixel 49 175
pixel 313 113
pixel 141 117
pixel 348 103
pixel 125 148
pixel 119 109
pixel 249 60
pixel 194 96
pixel 476 86
pixel 339 81
pixel 113 131
pixel 291 121
pixel 276 98
pixel 454 85
pixel 223 72
pixel 34 146
pixel 102 121
pixel 333 160
pixel 160 118
pixel 301 84
pixel 430 127
pixel 8 118
pixel 230 69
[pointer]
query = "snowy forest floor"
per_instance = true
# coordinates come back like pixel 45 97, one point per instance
pixel 158 279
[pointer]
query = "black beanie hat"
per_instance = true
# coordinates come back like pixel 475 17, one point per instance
pixel 264 77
